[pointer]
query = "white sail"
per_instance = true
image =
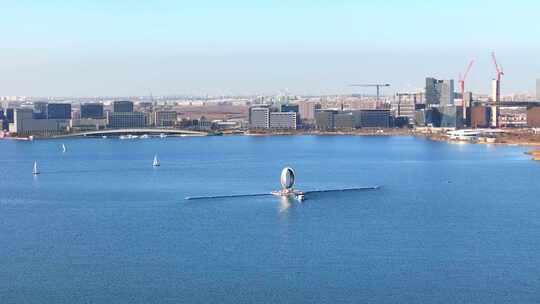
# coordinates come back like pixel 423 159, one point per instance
pixel 156 161
pixel 63 148
pixel 35 171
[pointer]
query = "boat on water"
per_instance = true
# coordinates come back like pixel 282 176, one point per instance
pixel 156 161
pixel 35 171
pixel 144 136
pixel 64 148
pixel 162 135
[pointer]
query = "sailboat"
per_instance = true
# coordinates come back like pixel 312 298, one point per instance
pixel 64 148
pixel 35 171
pixel 156 161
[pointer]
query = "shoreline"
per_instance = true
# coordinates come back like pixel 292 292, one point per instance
pixel 509 138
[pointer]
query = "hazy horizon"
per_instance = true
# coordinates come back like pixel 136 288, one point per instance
pixel 126 48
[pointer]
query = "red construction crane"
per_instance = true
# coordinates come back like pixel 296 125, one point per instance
pixel 462 78
pixel 497 67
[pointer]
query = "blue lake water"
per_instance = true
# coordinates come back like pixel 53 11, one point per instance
pixel 451 223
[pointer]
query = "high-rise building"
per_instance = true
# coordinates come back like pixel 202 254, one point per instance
pixel 283 120
pixel 59 111
pixel 123 106
pixel 307 109
pixel 40 110
pixel 92 110
pixel 259 118
pixel 439 92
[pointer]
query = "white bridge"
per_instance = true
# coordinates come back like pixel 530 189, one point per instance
pixel 137 131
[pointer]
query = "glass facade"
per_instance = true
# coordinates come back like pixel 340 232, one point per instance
pixel 59 111
pixel 127 120
pixel 92 110
pixel 40 110
pixel 123 106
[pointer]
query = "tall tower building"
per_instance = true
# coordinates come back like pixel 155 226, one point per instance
pixel 439 92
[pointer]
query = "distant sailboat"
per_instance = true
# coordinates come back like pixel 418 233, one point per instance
pixel 64 148
pixel 156 161
pixel 35 171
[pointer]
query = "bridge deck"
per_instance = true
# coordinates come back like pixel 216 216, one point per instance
pixel 137 131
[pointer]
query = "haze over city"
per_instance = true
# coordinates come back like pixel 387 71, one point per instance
pixel 126 48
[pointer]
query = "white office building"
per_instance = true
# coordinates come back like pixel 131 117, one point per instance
pixel 259 118
pixel 283 120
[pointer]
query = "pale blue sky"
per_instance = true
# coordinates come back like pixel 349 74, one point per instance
pixel 228 47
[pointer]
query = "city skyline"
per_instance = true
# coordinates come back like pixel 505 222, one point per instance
pixel 125 48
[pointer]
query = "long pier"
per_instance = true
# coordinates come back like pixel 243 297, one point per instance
pixel 343 190
pixel 270 194
pixel 189 198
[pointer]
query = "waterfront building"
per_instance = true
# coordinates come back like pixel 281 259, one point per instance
pixel 259 117
pixel 127 120
pixel 451 116
pixel 40 110
pixel 480 116
pixel 88 124
pixel 75 114
pixel 122 106
pixel 25 124
pixel 513 117
pixel 439 92
pixel 9 114
pixel 3 121
pixel 429 117
pixel 324 120
pixel 533 117
pixel 372 118
pixel 164 118
pixel 307 110
pixel 343 121
pixel 59 111
pixel 404 106
pixel 283 121
pixel 92 110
